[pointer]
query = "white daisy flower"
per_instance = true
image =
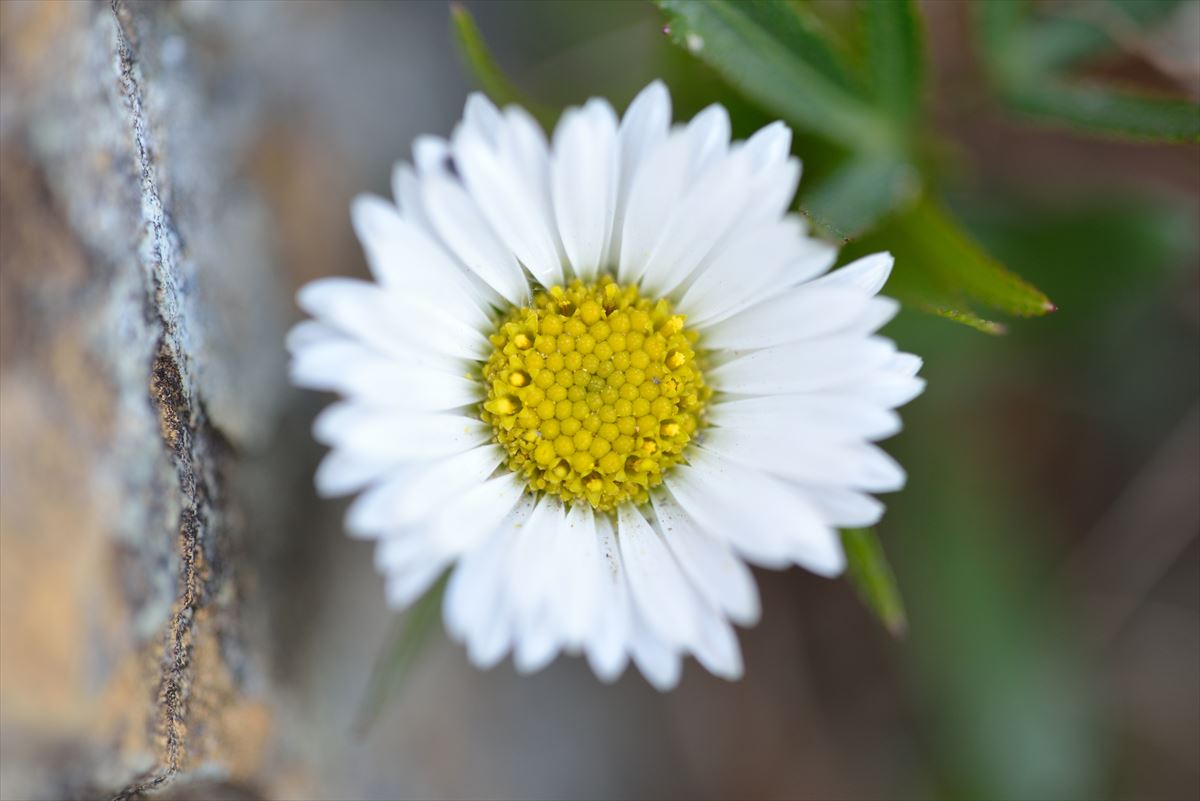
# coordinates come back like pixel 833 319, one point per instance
pixel 598 377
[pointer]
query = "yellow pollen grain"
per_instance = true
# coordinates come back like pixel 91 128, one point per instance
pixel 594 392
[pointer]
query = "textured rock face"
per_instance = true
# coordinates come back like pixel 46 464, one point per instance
pixel 141 326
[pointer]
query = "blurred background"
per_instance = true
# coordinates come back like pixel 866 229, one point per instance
pixel 180 616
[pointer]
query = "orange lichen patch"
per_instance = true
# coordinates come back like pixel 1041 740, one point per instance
pixel 222 724
pixel 52 541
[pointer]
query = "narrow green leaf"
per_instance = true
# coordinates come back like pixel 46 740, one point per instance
pixel 1020 55
pixel 409 635
pixel 997 24
pixel 940 267
pixel 894 51
pixel 1141 241
pixel 1062 35
pixel 1108 111
pixel 970 319
pixel 487 72
pixel 868 570
pixel 860 193
pixel 774 55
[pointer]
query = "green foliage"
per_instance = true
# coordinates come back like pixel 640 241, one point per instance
pixel 778 57
pixel 871 575
pixel 857 195
pixel 409 636
pixel 1108 111
pixel 776 54
pixel 1063 36
pixel 1026 59
pixel 1097 255
pixel 894 52
pixel 483 66
pixel 1013 710
pixel 958 270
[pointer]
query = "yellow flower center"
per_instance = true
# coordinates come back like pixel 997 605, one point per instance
pixel 594 392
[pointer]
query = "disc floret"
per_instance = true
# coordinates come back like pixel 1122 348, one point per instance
pixel 594 392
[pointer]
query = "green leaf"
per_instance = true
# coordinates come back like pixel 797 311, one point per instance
pixel 868 570
pixel 1020 56
pixel 775 55
pixel 1141 241
pixel 1065 34
pixel 487 72
pixel 997 27
pixel 996 656
pixel 1108 111
pixel 409 635
pixel 894 50
pixel 967 318
pixel 942 268
pixel 861 192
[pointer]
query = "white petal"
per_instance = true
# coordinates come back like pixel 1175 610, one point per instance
pixel 869 273
pixel 716 574
pixel 716 510
pixel 643 128
pixel 406 189
pixel 802 366
pixel 402 589
pixel 583 179
pixel 431 155
pixel 772 517
pixel 383 382
pixel 410 388
pixel 473 586
pixel 904 364
pixel 405 258
pixel 774 190
pixel 343 473
pixel 769 145
pixel 481 114
pixel 324 366
pixel 490 646
pixel 308 333
pixel 886 389
pixel 533 568
pixel 752 266
pixel 534 587
pixel 717 647
pixel 857 465
pixel 391 435
pixel 475 608
pixel 476 513
pixel 458 222
pixel 705 214
pixel 776 174
pixel 656 189
pixel 608 646
pixel 414 495
pixel 826 416
pixel 537 643
pixel 708 137
pixel 391 323
pixel 509 185
pixel 579 576
pixel 799 313
pixel 659 663
pixel 844 508
pixel 661 594
pixel 878 313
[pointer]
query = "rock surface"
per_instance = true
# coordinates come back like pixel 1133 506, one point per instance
pixel 123 270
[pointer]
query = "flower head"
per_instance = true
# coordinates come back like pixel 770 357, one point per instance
pixel 596 377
